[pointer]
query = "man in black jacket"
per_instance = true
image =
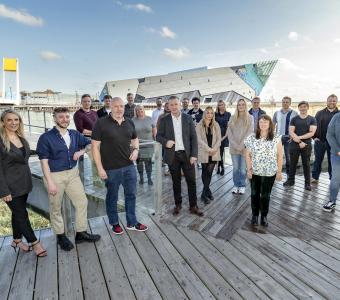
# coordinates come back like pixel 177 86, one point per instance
pixel 105 110
pixel 256 111
pixel 176 132
pixel 321 146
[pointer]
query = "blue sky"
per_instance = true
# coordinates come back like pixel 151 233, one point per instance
pixel 78 45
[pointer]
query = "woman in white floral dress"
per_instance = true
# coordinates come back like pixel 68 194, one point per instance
pixel 264 164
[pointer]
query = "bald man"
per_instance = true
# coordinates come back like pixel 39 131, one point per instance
pixel 114 134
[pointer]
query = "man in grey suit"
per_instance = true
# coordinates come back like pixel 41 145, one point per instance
pixel 176 132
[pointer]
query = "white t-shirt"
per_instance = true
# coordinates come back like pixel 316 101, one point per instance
pixel 67 139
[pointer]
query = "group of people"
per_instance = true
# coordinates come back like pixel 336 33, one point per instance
pixel 189 137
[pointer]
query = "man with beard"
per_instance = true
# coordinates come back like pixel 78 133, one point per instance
pixel 321 146
pixel 85 117
pixel 106 109
pixel 59 150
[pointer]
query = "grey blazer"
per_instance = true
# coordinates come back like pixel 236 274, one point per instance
pixel 165 132
pixel 15 174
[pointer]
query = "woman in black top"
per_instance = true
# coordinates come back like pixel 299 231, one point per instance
pixel 222 117
pixel 16 181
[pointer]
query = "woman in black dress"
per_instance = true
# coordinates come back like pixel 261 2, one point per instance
pixel 222 117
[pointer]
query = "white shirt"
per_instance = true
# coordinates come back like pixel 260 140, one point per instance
pixel 177 122
pixel 67 139
pixel 155 114
pixel 108 110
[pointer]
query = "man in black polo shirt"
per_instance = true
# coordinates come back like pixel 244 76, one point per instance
pixel 111 140
pixel 321 146
pixel 301 129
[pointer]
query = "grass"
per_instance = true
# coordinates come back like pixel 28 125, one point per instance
pixel 36 220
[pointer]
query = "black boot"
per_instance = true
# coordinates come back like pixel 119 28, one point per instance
pixel 205 198
pixel 222 169
pixel 86 237
pixel 64 243
pixel 141 178
pixel 218 169
pixel 209 195
pixel 254 220
pixel 264 221
pixel 149 180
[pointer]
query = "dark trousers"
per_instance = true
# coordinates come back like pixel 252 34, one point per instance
pixel 141 162
pixel 182 162
pixel 320 149
pixel 285 145
pixel 221 162
pixel 207 171
pixel 261 188
pixel 294 152
pixel 20 222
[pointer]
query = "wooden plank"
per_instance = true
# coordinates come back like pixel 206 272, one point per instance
pixel 117 282
pixel 325 248
pixel 299 254
pixel 69 274
pixel 94 284
pixel 46 282
pixel 8 259
pixel 190 282
pixel 1 241
pixel 24 275
pixel 320 285
pixel 140 280
pixel 220 288
pixel 166 283
pixel 239 281
pixel 255 273
pixel 291 283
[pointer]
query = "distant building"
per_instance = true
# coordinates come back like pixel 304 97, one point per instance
pixel 227 83
pixel 47 97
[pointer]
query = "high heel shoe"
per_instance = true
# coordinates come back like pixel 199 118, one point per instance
pixel 42 253
pixel 19 244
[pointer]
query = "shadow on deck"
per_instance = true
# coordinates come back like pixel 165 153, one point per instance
pixel 219 256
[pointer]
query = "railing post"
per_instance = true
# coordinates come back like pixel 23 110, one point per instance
pixel 45 127
pixel 158 177
pixel 29 120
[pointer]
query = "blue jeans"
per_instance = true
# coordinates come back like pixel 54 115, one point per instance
pixel 126 176
pixel 320 149
pixel 335 181
pixel 239 170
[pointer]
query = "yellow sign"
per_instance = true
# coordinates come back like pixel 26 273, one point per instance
pixel 10 64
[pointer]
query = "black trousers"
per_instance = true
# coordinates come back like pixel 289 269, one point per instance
pixel 207 171
pixel 20 223
pixel 221 162
pixel 261 188
pixel 147 162
pixel 294 153
pixel 181 162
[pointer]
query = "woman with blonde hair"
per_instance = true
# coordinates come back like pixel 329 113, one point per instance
pixel 16 180
pixel 209 142
pixel 240 126
pixel 222 117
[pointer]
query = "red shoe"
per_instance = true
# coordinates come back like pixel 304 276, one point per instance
pixel 117 229
pixel 137 227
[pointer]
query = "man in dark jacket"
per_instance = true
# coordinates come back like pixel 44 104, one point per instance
pixel 105 110
pixel 256 111
pixel 196 112
pixel 321 146
pixel 176 132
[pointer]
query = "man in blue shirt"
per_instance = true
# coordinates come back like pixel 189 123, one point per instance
pixel 256 111
pixel 59 150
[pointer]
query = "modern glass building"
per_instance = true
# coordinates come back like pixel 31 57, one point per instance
pixel 227 83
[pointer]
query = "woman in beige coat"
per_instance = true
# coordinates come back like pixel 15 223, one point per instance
pixel 209 142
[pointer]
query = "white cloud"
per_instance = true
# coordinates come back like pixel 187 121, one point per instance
pixel 140 7
pixel 20 16
pixel 293 36
pixel 49 55
pixel 264 50
pixel 166 32
pixel 277 45
pixel 289 65
pixel 336 40
pixel 178 53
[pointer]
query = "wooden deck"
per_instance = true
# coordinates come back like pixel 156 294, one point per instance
pixel 219 256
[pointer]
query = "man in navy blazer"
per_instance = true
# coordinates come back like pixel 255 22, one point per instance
pixel 176 132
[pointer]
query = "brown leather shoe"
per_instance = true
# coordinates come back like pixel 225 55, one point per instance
pixel 195 211
pixel 177 210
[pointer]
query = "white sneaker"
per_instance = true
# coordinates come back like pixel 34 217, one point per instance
pixel 241 190
pixel 235 190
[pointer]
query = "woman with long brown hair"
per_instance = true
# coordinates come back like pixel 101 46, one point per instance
pixel 209 142
pixel 16 181
pixel 264 156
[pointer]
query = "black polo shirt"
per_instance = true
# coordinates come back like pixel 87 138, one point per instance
pixel 115 141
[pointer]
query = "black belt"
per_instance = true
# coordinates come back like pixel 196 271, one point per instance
pixel 180 151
